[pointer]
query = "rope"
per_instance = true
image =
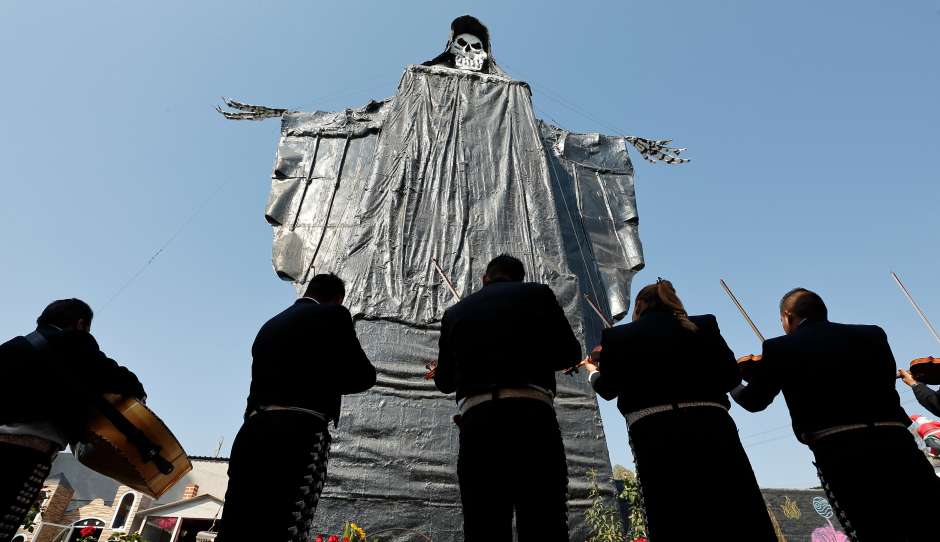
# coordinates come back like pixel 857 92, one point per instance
pixel 168 242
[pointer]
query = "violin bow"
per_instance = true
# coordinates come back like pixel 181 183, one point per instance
pixel 917 308
pixel 432 365
pixel 741 308
pixel 450 285
pixel 597 311
pixel 607 324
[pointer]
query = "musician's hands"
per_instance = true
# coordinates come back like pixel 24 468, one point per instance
pixel 432 370
pixel 907 377
pixel 747 365
pixel 588 365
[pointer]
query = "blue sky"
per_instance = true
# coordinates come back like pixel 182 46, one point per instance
pixel 812 127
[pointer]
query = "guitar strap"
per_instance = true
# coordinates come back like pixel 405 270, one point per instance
pixel 149 451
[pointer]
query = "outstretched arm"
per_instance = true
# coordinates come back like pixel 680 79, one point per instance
pixel 928 398
pixel 358 372
pixel 102 373
pixel 604 381
pixel 763 387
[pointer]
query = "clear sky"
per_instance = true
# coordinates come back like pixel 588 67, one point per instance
pixel 813 129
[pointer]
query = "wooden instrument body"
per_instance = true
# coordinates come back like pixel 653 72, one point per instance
pixel 105 449
pixel 926 370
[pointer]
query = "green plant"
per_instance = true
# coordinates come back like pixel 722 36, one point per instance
pixel 621 472
pixel 34 509
pixel 126 537
pixel 631 494
pixel 602 519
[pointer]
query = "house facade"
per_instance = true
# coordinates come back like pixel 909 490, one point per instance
pixel 76 499
pixel 77 502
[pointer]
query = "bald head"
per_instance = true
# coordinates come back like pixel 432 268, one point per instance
pixel 801 304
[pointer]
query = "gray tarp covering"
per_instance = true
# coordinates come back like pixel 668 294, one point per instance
pixel 454 167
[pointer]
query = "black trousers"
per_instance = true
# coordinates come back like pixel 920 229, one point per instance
pixel 22 473
pixel 276 474
pixel 716 499
pixel 512 459
pixel 881 487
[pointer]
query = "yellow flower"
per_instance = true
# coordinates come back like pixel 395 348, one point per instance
pixel 358 530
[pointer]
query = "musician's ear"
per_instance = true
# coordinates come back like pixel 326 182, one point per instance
pixel 83 325
pixel 787 321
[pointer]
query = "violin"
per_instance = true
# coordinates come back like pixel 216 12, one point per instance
pixel 592 358
pixel 926 370
pixel 595 356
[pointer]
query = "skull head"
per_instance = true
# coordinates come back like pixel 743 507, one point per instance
pixel 468 52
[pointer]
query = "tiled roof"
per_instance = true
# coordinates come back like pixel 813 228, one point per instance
pixel 87 484
pixel 207 458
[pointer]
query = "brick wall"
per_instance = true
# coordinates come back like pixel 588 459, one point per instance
pixel 60 495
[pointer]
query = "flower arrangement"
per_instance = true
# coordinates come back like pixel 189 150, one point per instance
pixel 351 533
pixel 87 534
pixel 354 533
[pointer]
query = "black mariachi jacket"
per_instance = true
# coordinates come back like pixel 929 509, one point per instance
pixel 53 383
pixel 830 375
pixel 508 334
pixel 308 356
pixel 654 361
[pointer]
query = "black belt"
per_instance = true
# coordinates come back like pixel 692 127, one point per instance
pixel 813 437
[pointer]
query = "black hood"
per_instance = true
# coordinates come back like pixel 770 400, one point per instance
pixel 468 24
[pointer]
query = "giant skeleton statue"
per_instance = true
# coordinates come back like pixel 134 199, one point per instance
pixel 454 168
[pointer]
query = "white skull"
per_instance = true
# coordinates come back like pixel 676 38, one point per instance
pixel 468 52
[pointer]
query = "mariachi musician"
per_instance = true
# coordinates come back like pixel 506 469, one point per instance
pixel 671 374
pixel 61 358
pixel 499 350
pixel 304 360
pixel 838 381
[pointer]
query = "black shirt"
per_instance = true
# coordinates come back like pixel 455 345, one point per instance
pixel 830 374
pixel 508 334
pixel 68 370
pixel 654 361
pixel 308 356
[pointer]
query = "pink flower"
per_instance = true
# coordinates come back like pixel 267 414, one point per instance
pixel 319 538
pixel 333 538
pixel 86 531
pixel 640 539
pixel 167 524
pixel 828 534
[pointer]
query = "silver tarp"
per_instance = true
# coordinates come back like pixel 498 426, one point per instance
pixel 454 167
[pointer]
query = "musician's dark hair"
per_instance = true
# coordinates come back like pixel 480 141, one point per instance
pixel 662 297
pixel 65 313
pixel 804 303
pixel 506 267
pixel 325 287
